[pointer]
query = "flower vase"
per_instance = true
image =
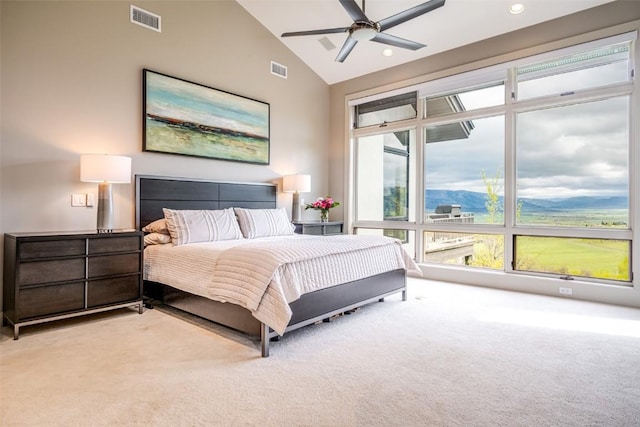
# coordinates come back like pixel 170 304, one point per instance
pixel 324 216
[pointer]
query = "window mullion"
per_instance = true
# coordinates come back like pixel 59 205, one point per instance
pixel 384 128
pixel 573 98
pixel 418 176
pixel 510 202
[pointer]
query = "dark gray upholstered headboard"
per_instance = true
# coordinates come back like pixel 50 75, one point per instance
pixel 156 192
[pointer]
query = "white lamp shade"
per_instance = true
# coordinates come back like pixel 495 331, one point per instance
pixel 105 168
pixel 296 183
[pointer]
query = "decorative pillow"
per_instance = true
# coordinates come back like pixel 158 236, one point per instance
pixel 192 226
pixel 157 226
pixel 264 222
pixel 156 239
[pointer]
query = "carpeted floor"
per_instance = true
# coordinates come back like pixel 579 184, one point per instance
pixel 451 355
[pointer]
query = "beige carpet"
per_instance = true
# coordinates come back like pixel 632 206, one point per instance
pixel 451 355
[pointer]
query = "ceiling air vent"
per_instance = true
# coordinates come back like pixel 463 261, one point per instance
pixel 326 43
pixel 146 19
pixel 278 70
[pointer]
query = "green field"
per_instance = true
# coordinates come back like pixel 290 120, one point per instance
pixel 579 257
pixel 617 218
pixel 604 259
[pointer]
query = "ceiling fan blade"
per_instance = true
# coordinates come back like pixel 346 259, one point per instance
pixel 397 41
pixel 354 10
pixel 314 32
pixel 408 14
pixel 346 49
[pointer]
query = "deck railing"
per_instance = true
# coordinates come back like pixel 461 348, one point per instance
pixel 442 245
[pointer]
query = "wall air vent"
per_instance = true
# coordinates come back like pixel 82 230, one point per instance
pixel 146 19
pixel 278 70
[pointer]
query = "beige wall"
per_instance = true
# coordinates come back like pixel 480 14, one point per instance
pixel 71 84
pixel 475 55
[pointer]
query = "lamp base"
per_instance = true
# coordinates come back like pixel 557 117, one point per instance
pixel 105 208
pixel 295 207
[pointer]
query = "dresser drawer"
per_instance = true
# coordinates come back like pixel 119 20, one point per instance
pixel 50 300
pixel 59 270
pixel 51 248
pixel 314 231
pixel 333 229
pixel 109 265
pixel 114 244
pixel 108 291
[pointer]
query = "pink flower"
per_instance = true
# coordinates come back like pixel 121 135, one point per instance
pixel 323 204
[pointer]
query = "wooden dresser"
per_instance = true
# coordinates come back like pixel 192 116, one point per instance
pixel 51 276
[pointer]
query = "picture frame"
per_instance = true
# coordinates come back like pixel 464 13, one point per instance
pixel 186 118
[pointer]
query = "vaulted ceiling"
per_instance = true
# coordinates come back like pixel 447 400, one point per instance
pixel 456 23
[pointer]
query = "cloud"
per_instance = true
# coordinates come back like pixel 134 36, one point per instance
pixel 578 149
pixel 458 165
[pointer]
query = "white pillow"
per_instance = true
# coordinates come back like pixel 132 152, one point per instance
pixel 192 226
pixel 264 222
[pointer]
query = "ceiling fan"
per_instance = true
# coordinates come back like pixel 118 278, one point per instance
pixel 364 29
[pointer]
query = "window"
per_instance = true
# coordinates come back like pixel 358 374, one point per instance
pixel 468 249
pixel 464 164
pixel 579 257
pixel 573 165
pixel 586 70
pixel 384 167
pixel 522 167
pixel 396 176
pixel 387 110
pixel 466 100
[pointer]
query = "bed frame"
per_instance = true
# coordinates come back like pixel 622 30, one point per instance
pixel 154 192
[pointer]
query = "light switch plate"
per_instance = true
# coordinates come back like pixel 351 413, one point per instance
pixel 79 200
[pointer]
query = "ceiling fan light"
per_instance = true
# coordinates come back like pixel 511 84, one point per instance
pixel 363 34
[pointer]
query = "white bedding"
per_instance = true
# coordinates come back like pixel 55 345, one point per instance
pixel 264 275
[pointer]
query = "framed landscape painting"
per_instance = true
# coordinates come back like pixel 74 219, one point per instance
pixel 182 117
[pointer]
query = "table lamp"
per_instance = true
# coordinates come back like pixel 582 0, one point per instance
pixel 106 170
pixel 296 184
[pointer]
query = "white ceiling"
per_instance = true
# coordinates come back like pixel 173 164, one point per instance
pixel 457 23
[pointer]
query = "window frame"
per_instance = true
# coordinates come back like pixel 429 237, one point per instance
pixel 405 155
pixel 484 76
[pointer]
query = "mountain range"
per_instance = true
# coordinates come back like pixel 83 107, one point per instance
pixel 471 201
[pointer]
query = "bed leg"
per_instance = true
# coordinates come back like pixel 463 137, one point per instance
pixel 404 295
pixel 264 339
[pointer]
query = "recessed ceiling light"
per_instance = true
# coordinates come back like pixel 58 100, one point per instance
pixel 387 52
pixel 516 8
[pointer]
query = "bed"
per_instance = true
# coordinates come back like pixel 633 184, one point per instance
pixel 155 196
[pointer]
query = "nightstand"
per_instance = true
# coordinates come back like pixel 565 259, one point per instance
pixel 319 228
pixel 52 276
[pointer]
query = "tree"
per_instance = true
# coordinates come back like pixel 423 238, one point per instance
pixel 488 251
pixel 492 202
